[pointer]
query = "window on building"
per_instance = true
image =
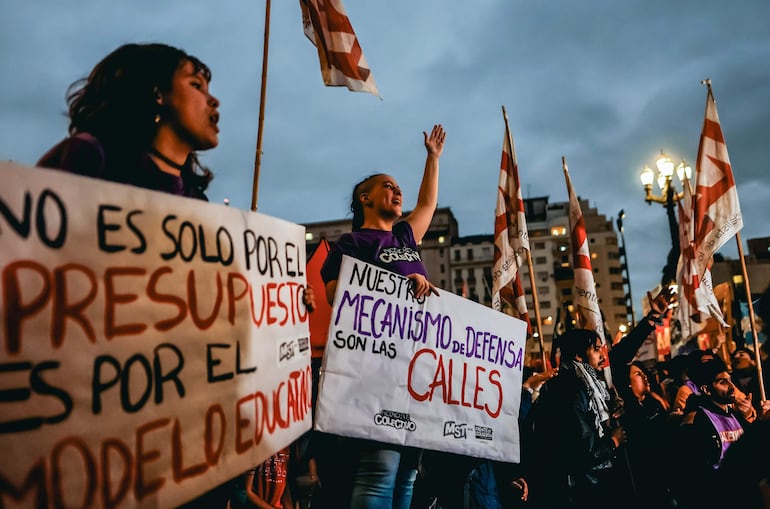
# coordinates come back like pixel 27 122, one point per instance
pixel 616 270
pixel 457 255
pixel 613 255
pixel 546 304
pixel 541 260
pixel 486 251
pixel 539 245
pixel 616 286
pixel 442 268
pixel 441 251
pixel 470 253
pixel 558 231
pixel 542 276
pixel 544 290
pixel 458 274
pixel 566 291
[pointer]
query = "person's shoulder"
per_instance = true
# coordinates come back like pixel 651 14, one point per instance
pixel 403 231
pixel 81 153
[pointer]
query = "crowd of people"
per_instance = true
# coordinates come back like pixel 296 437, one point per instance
pixel 691 432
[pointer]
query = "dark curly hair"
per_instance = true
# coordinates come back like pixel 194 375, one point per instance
pixel 117 102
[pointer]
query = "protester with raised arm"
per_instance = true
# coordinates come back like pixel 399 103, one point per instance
pixel 384 474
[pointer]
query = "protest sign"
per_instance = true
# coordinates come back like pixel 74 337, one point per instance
pixel 152 347
pixel 440 373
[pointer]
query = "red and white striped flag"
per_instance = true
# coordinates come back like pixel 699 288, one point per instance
pixel 342 61
pixel 696 295
pixel 585 299
pixel 717 211
pixel 511 238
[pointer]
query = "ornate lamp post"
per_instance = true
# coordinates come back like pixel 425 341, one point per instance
pixel 668 197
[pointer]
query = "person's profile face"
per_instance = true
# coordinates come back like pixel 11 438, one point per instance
pixel 742 360
pixel 384 196
pixel 721 389
pixel 640 384
pixel 193 111
pixel 594 355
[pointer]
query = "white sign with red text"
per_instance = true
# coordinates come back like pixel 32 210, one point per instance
pixel 440 373
pixel 152 346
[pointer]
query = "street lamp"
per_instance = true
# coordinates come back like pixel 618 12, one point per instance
pixel 668 197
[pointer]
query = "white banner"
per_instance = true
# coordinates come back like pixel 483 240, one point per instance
pixel 152 346
pixel 440 373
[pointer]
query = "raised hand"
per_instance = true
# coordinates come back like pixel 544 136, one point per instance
pixel 434 143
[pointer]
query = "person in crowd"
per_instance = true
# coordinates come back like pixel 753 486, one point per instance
pixel 570 441
pixel 706 433
pixel 139 118
pixel 745 375
pixel 648 429
pixel 677 375
pixel 384 474
pixel 745 469
pixel 265 486
pixel 623 352
pixel 687 396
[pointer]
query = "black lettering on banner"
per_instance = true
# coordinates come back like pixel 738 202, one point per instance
pixel 212 362
pixel 189 242
pixel 37 385
pixel 262 252
pixel 47 202
pixel 351 342
pixel 103 227
pixel 136 374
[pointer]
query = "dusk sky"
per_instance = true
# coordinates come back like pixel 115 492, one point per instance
pixel 605 83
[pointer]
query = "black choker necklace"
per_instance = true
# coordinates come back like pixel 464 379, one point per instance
pixel 177 166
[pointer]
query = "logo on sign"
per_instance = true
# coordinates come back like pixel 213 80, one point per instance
pixel 483 433
pixel 398 420
pixel 455 429
pixel 286 351
pixel 303 344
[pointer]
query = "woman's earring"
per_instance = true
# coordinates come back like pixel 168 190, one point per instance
pixel 157 118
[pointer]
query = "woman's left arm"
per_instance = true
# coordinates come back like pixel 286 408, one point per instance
pixel 427 198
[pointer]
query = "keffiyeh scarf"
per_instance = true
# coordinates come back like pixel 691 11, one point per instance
pixel 598 396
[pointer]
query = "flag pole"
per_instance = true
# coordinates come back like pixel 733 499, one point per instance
pixel 757 357
pixel 747 286
pixel 258 155
pixel 532 285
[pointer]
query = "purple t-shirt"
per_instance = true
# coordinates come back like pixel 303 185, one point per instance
pixel 394 250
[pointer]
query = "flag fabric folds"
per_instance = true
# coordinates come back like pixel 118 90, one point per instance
pixel 697 301
pixel 322 315
pixel 717 214
pixel 342 61
pixel 511 239
pixel 584 298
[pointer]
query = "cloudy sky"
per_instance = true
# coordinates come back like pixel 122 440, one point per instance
pixel 605 83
